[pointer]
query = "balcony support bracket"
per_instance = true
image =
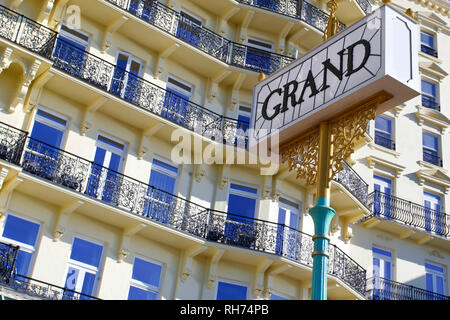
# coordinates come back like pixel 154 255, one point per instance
pixel 6 192
pixel 127 233
pixel 62 218
pixel 213 263
pixel 188 255
pixel 160 64
pixel 109 31
pixel 145 135
pixel 89 112
pixel 259 288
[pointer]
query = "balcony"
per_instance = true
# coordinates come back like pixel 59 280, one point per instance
pixel 353 183
pixel 116 190
pixel 301 10
pixel 430 102
pixel 26 288
pixel 8 255
pixel 120 83
pixel 393 209
pixel 209 42
pixel 384 289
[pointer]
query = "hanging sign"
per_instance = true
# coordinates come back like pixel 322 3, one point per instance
pixel 379 53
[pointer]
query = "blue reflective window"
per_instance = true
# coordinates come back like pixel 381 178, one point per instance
pixel 146 272
pixel 228 291
pixel 430 141
pixel 86 252
pixel 429 88
pixel 21 230
pixel 427 39
pixel 382 252
pixel 139 294
pixel 243 188
pixel 276 297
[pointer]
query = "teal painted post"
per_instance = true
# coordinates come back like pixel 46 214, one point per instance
pixel 322 215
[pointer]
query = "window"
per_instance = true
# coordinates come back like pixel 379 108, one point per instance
pixel 258 54
pixel 104 180
pixel 69 54
pixel 145 281
pixel 243 124
pixel 431 149
pixel 176 102
pixel 383 196
pixel 435 278
pixel 125 82
pixel 429 95
pixel 434 217
pixel 239 229
pixel 383 132
pixel 231 291
pixel 427 43
pixel 288 228
pixel 278 297
pixel 382 269
pixel 24 233
pixel 47 135
pixel 190 28
pixel 83 266
pixel 163 178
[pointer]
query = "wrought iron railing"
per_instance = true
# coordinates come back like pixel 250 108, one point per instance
pixel 8 256
pixel 43 290
pixel 381 140
pixel 113 188
pixel 172 22
pixel 26 32
pixel 12 141
pixel 432 157
pixel 428 50
pixel 430 102
pixel 389 207
pixel 385 289
pixel 353 183
pixel 301 10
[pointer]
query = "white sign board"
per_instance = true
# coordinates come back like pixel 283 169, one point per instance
pixel 377 53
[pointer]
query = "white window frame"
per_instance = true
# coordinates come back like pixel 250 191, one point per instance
pixel 438 151
pixel 256 46
pixel 391 134
pixel 433 82
pixel 109 149
pixel 179 89
pixel 73 37
pixel 435 273
pixel 162 170
pixel 50 123
pixel 23 246
pixel 144 286
pixel 191 15
pixel 83 267
pixel 383 258
pixel 430 33
pixel 130 59
pixel 233 282
pixel 286 206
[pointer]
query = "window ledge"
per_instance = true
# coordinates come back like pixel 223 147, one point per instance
pixel 375 146
pixel 433 117
pixel 430 57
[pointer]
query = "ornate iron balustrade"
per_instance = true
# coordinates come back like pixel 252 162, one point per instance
pixel 146 95
pixel 43 290
pixel 12 141
pixel 381 140
pixel 301 10
pixel 8 256
pixel 172 22
pixel 353 183
pixel 385 289
pixel 386 206
pixel 281 240
pixel 113 188
pixel 26 32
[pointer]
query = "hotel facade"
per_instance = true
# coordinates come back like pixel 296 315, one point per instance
pixel 94 203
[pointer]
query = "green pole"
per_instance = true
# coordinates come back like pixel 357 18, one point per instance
pixel 322 215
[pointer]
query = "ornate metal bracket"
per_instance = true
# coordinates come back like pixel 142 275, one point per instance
pixel 302 155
